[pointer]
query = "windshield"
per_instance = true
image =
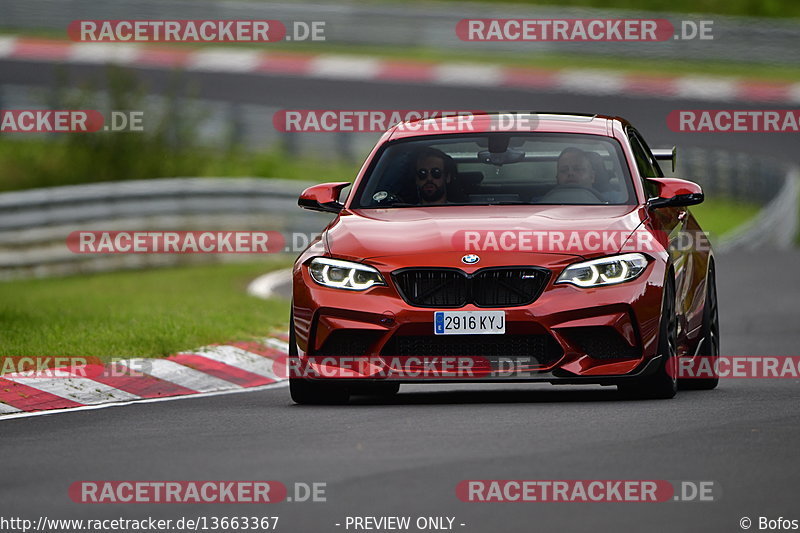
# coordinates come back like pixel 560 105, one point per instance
pixel 498 169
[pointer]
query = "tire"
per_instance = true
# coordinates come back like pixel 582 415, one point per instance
pixel 710 336
pixel 312 392
pixel 662 384
pixel 308 392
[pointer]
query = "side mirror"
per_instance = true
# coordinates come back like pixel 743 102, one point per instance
pixel 323 197
pixel 673 192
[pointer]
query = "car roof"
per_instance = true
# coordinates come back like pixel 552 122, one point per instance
pixel 523 122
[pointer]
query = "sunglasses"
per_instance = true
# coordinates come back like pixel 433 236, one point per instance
pixel 435 173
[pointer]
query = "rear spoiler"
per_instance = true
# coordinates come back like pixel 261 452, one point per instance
pixel 666 154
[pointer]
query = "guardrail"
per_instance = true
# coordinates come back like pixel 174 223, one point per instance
pixel 776 226
pixel 433 25
pixel 732 175
pixel 34 224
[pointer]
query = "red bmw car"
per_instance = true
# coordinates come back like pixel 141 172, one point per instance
pixel 497 248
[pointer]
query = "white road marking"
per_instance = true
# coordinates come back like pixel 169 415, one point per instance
pixel 224 60
pixel 344 67
pixel 794 93
pixel 81 390
pixel 179 374
pixel 468 74
pixel 118 53
pixel 6 409
pixel 277 344
pixel 242 359
pixel 591 81
pixel 280 384
pixel 705 88
pixel 7 46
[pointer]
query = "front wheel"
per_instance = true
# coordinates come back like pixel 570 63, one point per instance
pixel 663 384
pixel 308 392
pixel 710 337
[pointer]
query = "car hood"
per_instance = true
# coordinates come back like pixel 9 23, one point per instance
pixel 372 233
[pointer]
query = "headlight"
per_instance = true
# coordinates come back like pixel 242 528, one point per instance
pixel 344 274
pixel 604 271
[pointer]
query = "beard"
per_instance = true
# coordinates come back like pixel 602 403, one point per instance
pixel 433 195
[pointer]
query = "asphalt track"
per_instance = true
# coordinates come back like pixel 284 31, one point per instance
pixel 406 456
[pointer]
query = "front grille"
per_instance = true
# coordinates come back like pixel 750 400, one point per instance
pixel 543 349
pixel 488 287
pixel 507 287
pixel 602 342
pixel 348 342
pixel 433 288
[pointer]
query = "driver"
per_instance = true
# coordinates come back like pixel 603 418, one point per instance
pixel 575 168
pixel 433 172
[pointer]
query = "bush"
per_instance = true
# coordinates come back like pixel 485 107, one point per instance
pixel 167 148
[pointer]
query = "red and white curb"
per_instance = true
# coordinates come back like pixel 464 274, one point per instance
pixel 216 369
pixel 341 67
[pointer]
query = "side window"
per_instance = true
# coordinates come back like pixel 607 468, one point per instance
pixel 648 167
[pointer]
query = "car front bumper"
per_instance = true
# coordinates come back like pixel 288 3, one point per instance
pixel 568 335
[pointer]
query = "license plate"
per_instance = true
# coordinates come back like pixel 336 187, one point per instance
pixel 469 322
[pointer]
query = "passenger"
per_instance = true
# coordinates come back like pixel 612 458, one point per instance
pixel 575 168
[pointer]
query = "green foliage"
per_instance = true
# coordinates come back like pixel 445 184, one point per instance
pixel 168 147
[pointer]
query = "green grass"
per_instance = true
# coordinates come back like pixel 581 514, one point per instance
pixel 720 216
pixel 149 313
